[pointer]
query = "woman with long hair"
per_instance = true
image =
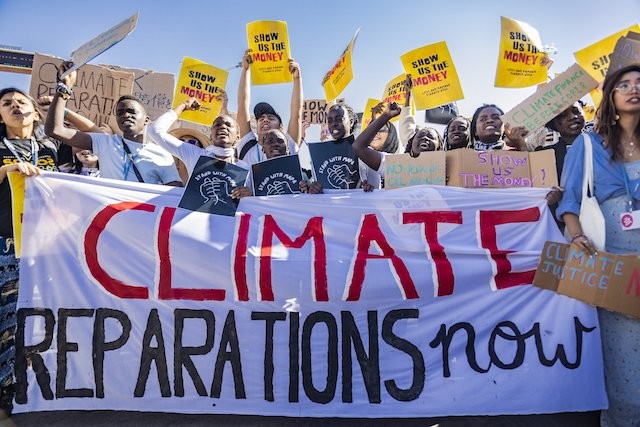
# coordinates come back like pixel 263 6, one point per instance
pixel 23 149
pixel 616 173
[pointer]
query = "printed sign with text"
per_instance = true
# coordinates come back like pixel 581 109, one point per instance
pixel 520 57
pixel 270 52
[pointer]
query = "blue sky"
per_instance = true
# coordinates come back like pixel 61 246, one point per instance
pixel 215 32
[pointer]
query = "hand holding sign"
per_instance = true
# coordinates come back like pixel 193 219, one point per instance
pixel 67 78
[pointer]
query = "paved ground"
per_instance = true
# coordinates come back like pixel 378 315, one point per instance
pixel 144 419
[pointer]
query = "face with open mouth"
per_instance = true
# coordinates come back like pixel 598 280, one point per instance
pixel 224 131
pixel 489 125
pixel 425 139
pixel 274 144
pixel 131 117
pixel 458 133
pixel 265 123
pixel 571 121
pixel 338 122
pixel 17 110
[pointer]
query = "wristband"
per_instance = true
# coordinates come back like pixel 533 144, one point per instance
pixel 577 236
pixel 64 91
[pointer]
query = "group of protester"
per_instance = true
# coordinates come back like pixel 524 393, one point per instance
pixel 27 147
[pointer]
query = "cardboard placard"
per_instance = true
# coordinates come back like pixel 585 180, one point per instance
pixel 501 168
pixel 606 280
pixel 95 93
pixel 335 165
pixel 101 42
pixel 209 187
pixel 154 89
pixel 552 99
pixel 626 52
pixel 277 176
pixel 402 170
pixel 15 61
pixel 314 111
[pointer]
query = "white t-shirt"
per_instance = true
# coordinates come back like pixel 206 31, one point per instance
pixel 255 154
pixel 156 166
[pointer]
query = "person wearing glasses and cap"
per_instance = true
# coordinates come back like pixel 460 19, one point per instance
pixel 250 145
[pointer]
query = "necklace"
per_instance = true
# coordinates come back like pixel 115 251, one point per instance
pixel 632 148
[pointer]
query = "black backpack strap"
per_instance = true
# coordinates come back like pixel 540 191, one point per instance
pixel 245 149
pixel 130 157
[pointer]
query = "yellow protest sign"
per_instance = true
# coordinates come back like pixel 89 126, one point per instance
pixel 435 80
pixel 202 81
pixel 341 74
pixel 394 92
pixel 16 183
pixel 366 113
pixel 595 58
pixel 519 60
pixel 270 52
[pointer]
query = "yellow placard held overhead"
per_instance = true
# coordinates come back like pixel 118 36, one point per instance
pixel 341 74
pixel 435 80
pixel 270 52
pixel 394 92
pixel 520 56
pixel 366 113
pixel 595 58
pixel 202 81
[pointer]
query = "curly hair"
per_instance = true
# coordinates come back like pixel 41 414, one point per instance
pixel 606 116
pixel 445 136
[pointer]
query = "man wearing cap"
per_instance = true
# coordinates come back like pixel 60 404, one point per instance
pixel 250 146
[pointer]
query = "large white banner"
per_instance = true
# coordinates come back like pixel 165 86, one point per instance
pixel 405 303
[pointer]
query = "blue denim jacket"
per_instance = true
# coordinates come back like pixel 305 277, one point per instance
pixel 608 176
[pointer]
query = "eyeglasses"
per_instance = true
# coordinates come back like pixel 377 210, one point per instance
pixel 625 88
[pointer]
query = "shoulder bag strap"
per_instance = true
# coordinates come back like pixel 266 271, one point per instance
pixel 587 173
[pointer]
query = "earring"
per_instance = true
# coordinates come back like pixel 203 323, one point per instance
pixel 615 120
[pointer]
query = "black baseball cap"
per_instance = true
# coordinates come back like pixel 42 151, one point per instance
pixel 263 108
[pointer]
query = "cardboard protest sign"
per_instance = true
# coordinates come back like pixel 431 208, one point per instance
pixel 366 113
pixel 552 99
pixel 595 58
pixel 435 80
pixel 394 92
pixel 209 187
pixel 277 176
pixel 341 74
pixel 101 42
pixel 402 170
pixel 270 52
pixel 314 111
pixel 607 280
pixel 95 93
pixel 501 168
pixel 153 89
pixel 335 165
pixel 626 52
pixel 204 82
pixel 15 61
pixel 520 55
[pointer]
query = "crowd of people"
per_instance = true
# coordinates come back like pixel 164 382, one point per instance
pixel 144 151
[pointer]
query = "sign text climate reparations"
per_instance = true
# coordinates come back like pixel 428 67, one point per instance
pixel 292 319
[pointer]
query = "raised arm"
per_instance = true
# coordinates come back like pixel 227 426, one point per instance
pixel 295 119
pixel 370 157
pixel 244 95
pixel 159 128
pixel 407 125
pixel 54 125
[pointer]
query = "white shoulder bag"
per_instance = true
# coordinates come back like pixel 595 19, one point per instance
pixel 591 217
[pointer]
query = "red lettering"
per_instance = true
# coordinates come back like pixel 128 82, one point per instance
pixel 443 272
pixel 240 258
pixel 370 232
pixel 504 277
pixel 314 231
pixel 97 226
pixel 165 289
pixel 635 280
